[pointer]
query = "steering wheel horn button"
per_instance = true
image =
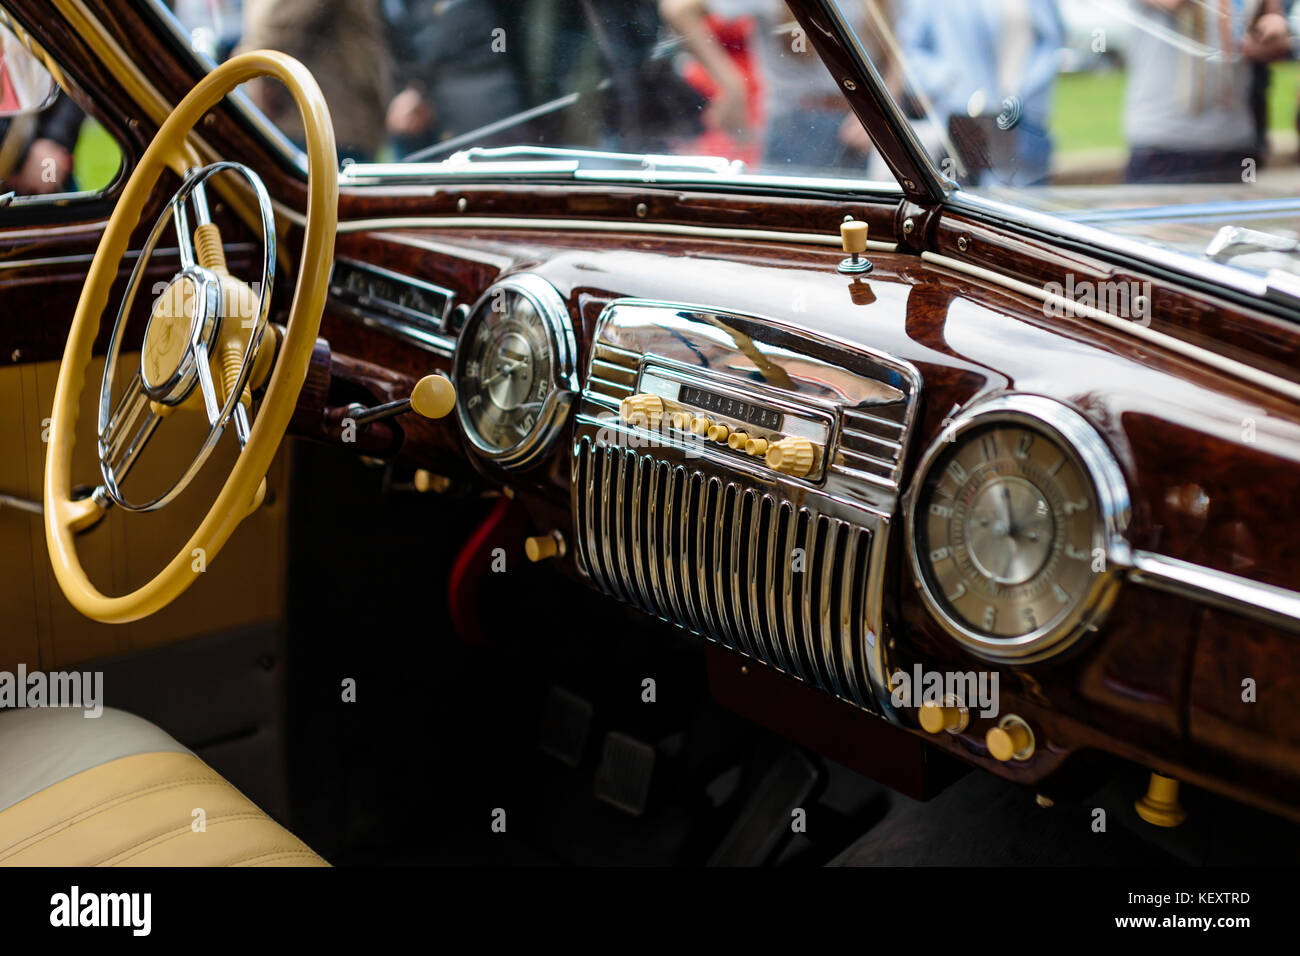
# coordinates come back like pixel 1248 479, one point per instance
pixel 184 315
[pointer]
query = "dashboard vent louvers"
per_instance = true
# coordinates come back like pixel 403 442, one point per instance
pixel 785 585
pixel 871 444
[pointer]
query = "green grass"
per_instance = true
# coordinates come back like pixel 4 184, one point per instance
pixel 95 158
pixel 1088 110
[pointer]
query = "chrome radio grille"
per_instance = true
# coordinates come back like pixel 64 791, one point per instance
pixel 782 584
pixel 786 568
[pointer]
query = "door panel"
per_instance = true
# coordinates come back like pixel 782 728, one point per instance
pixel 243 587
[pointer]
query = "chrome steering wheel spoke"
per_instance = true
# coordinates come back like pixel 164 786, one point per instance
pixel 192 307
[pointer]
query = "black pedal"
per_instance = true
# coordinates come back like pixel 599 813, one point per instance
pixel 627 767
pixel 566 722
pixel 766 819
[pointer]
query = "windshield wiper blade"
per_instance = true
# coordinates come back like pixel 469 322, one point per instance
pixel 1232 241
pixel 447 147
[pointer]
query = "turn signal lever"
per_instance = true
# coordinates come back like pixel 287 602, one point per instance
pixel 433 397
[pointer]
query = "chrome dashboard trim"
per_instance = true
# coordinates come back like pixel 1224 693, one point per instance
pixel 1076 436
pixel 1254 599
pixel 387 317
pixel 435 342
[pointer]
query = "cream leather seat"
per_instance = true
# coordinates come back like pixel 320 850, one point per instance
pixel 118 791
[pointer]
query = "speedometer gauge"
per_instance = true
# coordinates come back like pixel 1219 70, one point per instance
pixel 514 370
pixel 1015 528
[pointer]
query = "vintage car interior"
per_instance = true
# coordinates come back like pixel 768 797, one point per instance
pixel 622 505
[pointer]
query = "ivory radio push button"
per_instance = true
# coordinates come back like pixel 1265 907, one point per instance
pixel 681 421
pixel 791 456
pixel 756 447
pixel 737 440
pixel 701 425
pixel 719 432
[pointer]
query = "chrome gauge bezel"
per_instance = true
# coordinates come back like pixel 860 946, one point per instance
pixel 1076 438
pixel 554 312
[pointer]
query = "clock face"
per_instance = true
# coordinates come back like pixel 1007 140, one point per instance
pixel 1005 523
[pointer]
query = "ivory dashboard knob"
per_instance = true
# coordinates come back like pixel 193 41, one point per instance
pixel 544 546
pixel 756 447
pixel 701 425
pixel 737 440
pixel 719 432
pixel 791 456
pixel 643 410
pixel 853 236
pixel 1011 739
pixel 433 396
pixel 1160 806
pixel 936 718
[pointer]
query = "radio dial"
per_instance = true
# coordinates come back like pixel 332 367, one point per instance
pixel 791 456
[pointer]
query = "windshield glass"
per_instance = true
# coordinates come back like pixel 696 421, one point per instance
pixel 1169 121
pixel 424 80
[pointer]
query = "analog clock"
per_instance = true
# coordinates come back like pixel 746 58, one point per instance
pixel 1015 523
pixel 514 370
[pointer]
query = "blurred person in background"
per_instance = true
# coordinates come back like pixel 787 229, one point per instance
pixel 343 43
pixel 736 38
pixel 986 68
pixel 35 147
pixel 1188 111
pixel 213 26
pixel 808 122
pixel 455 64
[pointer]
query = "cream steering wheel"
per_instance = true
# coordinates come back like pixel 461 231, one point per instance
pixel 205 346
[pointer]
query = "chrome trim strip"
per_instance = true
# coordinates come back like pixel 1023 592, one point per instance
pixel 790 541
pixel 812 563
pixel 848 629
pixel 672 490
pixel 726 630
pixel 609 499
pixel 629 537
pixel 653 547
pixel 708 507
pixel 1172 343
pixel 774 546
pixel 739 527
pixel 1262 602
pixel 834 529
pixel 593 457
pixel 435 342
